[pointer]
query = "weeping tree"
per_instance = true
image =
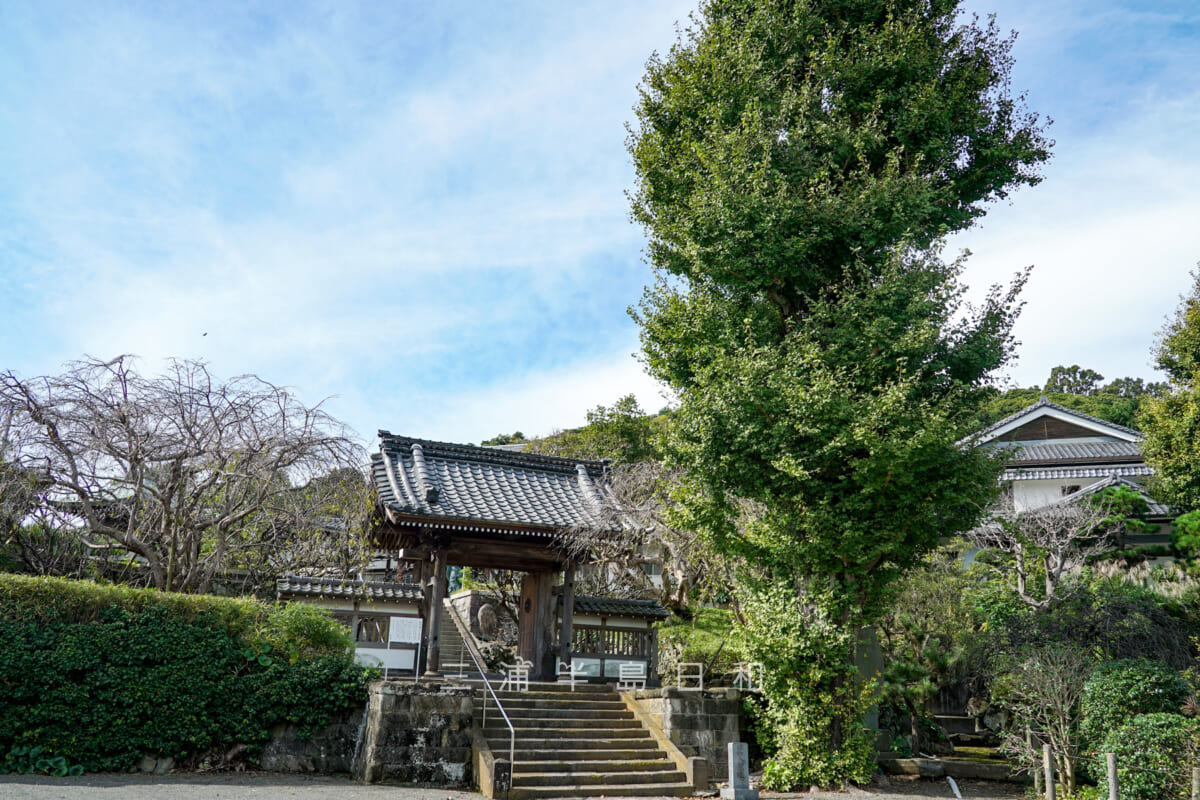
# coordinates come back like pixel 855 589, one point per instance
pixel 189 477
pixel 797 165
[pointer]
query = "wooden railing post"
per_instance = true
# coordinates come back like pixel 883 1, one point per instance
pixel 1048 769
pixel 1113 791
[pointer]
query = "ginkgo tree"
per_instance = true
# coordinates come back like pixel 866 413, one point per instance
pixel 797 165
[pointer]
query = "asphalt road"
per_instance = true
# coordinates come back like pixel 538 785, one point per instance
pixel 267 786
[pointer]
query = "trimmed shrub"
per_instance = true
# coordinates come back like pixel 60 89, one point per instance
pixel 1117 691
pixel 102 675
pixel 1154 752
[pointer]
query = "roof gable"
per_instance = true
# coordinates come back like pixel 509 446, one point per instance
pixel 437 480
pixel 1046 421
pixel 1153 507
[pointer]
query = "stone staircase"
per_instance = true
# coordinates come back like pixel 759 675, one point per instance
pixel 451 643
pixel 581 743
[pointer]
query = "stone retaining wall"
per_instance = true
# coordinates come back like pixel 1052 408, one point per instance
pixel 699 723
pixel 416 733
pixel 328 750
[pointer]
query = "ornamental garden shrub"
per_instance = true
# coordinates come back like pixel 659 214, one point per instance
pixel 101 675
pixel 1117 691
pixel 1154 755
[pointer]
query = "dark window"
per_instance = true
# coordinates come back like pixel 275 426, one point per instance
pixel 371 630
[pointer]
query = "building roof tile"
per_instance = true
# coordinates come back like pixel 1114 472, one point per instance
pixel 304 586
pixel 620 607
pixel 443 481
pixel 1075 452
pixel 986 434
pixel 1059 473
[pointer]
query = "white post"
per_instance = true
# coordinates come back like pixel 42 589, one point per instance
pixel 1111 760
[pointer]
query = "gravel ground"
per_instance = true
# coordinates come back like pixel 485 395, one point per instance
pixel 267 786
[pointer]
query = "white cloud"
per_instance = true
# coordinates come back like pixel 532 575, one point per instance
pixel 535 403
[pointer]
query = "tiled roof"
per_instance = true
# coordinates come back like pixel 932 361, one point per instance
pixel 984 434
pixel 1056 473
pixel 352 590
pixel 452 482
pixel 1047 452
pixel 1154 508
pixel 618 607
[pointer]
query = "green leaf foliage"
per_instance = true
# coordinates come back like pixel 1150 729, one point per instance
pixel 1177 351
pixel 1171 425
pixel 1154 756
pixel 809 682
pixel 1120 400
pixel 1185 536
pixel 797 164
pixel 780 142
pixel 1118 691
pixel 101 675
pixel 1172 422
pixel 622 433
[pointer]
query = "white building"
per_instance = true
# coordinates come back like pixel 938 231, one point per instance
pixel 1057 453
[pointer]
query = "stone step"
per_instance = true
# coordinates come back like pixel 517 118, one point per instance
pixel 589 744
pixel 591 766
pixel 553 687
pixel 605 790
pixel 605 778
pixel 957 724
pixel 604 715
pixel 593 744
pixel 601 749
pixel 518 703
pixel 586 733
pixel 569 728
pixel 523 755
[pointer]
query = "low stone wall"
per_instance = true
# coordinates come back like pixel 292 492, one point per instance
pixel 328 750
pixel 416 733
pixel 699 723
pixel 469 603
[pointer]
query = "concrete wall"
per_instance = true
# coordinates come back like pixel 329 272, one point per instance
pixel 699 723
pixel 417 734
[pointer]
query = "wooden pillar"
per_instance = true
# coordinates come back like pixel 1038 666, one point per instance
pixel 535 623
pixel 568 615
pixel 436 595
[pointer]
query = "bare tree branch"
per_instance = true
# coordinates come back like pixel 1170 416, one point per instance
pixel 1049 542
pixel 634 531
pixel 192 476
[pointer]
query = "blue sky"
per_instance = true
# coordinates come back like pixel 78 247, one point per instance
pixel 417 209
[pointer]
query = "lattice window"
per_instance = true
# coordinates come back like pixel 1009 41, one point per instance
pixel 371 630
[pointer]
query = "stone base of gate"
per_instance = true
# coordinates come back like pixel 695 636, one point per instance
pixel 700 723
pixel 416 733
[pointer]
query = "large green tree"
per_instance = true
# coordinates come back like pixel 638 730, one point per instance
pixel 1172 422
pixel 797 164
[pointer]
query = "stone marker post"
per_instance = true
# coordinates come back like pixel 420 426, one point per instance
pixel 739 774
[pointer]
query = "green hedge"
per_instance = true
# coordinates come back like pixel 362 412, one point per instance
pixel 1117 691
pixel 102 675
pixel 1154 756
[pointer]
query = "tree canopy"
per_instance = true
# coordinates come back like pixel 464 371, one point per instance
pixel 1120 400
pixel 622 433
pixel 188 475
pixel 797 165
pixel 1171 422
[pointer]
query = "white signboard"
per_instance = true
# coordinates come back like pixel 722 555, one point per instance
pixel 406 630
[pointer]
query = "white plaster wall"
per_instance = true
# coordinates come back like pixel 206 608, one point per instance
pixel 1035 494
